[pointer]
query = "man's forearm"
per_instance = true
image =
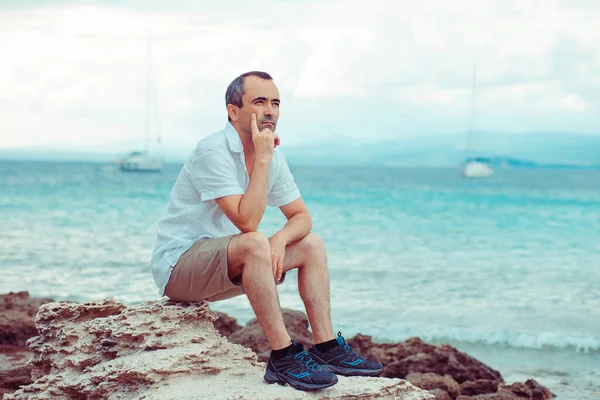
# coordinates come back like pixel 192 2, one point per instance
pixel 295 228
pixel 254 201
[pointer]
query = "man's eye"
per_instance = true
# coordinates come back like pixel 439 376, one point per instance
pixel 275 104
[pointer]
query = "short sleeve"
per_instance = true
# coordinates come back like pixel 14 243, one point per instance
pixel 284 189
pixel 213 173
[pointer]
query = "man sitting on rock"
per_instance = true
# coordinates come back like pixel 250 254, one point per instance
pixel 208 246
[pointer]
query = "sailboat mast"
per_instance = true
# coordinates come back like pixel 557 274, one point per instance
pixel 473 111
pixel 157 113
pixel 148 82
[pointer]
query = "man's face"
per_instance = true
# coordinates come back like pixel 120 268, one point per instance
pixel 261 97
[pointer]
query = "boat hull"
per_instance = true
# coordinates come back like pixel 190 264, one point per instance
pixel 476 169
pixel 141 165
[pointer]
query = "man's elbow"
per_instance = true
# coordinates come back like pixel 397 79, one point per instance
pixel 248 227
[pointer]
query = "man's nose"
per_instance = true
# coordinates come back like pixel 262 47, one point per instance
pixel 269 110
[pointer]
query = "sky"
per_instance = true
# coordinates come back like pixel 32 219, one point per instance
pixel 72 74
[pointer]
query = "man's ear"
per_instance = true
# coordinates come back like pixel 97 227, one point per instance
pixel 232 112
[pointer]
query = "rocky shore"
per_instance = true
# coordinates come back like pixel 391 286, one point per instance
pixel 169 350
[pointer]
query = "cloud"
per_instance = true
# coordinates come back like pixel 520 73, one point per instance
pixel 74 72
pixel 570 102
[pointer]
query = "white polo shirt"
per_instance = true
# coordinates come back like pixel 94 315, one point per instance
pixel 215 169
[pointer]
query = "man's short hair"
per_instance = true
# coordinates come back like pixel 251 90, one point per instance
pixel 236 89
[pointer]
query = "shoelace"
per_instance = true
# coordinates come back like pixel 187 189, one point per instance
pixel 354 356
pixel 351 355
pixel 305 358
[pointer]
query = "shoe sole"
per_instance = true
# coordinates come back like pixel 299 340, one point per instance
pixel 350 371
pixel 272 377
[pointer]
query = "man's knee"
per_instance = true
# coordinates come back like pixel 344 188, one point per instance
pixel 254 245
pixel 314 245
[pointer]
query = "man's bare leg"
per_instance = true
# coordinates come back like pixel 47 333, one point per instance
pixel 249 254
pixel 309 255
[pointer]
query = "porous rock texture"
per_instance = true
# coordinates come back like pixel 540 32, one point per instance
pixel 161 350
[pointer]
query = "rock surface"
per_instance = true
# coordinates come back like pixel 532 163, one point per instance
pixel 431 381
pixel 443 370
pixel 440 394
pixel 225 324
pixel 438 369
pixel 17 311
pixel 416 356
pixel 161 350
pixel 13 378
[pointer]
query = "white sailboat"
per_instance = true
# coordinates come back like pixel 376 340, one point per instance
pixel 475 167
pixel 146 160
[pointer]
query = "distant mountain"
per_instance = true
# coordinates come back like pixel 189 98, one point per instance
pixel 37 154
pixel 504 162
pixel 507 150
pixel 512 150
pixel 99 156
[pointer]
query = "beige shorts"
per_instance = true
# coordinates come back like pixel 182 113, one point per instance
pixel 201 273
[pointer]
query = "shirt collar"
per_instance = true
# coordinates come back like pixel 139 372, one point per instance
pixel 233 138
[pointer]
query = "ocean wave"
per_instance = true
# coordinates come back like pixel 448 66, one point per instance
pixel 581 343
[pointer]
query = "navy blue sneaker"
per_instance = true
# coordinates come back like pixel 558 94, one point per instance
pixel 299 370
pixel 342 360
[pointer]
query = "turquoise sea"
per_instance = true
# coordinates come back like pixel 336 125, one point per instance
pixel 506 269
